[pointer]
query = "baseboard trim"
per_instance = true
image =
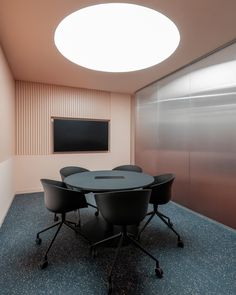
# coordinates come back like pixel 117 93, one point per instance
pixel 206 218
pixel 8 207
pixel 30 191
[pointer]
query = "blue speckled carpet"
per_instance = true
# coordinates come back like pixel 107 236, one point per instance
pixel 205 266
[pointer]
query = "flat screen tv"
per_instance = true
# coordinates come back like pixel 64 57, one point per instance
pixel 79 135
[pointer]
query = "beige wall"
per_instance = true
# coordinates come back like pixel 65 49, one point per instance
pixel 35 105
pixel 7 135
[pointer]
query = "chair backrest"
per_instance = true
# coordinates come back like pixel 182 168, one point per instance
pixel 123 207
pixel 66 171
pixel 161 188
pixel 133 168
pixel 59 199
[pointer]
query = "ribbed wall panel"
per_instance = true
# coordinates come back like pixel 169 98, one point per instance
pixel 37 104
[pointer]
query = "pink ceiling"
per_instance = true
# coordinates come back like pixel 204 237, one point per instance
pixel 27 28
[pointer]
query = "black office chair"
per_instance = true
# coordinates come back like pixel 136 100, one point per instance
pixel 124 208
pixel 161 194
pixel 133 168
pixel 59 199
pixel 69 170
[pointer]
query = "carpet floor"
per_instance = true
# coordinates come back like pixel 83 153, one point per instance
pixel 205 266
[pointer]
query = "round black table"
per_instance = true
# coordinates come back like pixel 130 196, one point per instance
pixel 108 180
pixel 101 181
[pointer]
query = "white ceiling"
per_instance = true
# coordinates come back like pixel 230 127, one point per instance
pixel 27 31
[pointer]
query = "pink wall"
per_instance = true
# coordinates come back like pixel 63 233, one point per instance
pixel 35 105
pixel 7 136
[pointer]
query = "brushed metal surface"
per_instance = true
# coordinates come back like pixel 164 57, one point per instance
pixel 212 141
pixel 186 124
pixel 162 140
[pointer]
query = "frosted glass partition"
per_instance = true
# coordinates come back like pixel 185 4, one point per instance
pixel 186 124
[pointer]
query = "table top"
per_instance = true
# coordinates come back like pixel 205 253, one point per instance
pixel 108 180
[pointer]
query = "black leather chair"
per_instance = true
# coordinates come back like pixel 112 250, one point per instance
pixel 69 170
pixel 161 194
pixel 133 168
pixel 124 208
pixel 59 199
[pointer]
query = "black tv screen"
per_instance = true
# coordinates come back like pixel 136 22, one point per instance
pixel 77 135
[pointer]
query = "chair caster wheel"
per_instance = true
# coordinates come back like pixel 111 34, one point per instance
pixel 38 241
pixel 159 272
pixel 180 244
pixel 96 213
pixel 43 264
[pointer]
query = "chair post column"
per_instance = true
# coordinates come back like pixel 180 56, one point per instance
pixel 155 207
pixel 63 217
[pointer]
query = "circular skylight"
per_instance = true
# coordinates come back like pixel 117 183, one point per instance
pixel 116 37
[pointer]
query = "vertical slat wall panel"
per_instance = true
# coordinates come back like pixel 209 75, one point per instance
pixel 37 103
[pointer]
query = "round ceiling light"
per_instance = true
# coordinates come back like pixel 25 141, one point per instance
pixel 116 37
